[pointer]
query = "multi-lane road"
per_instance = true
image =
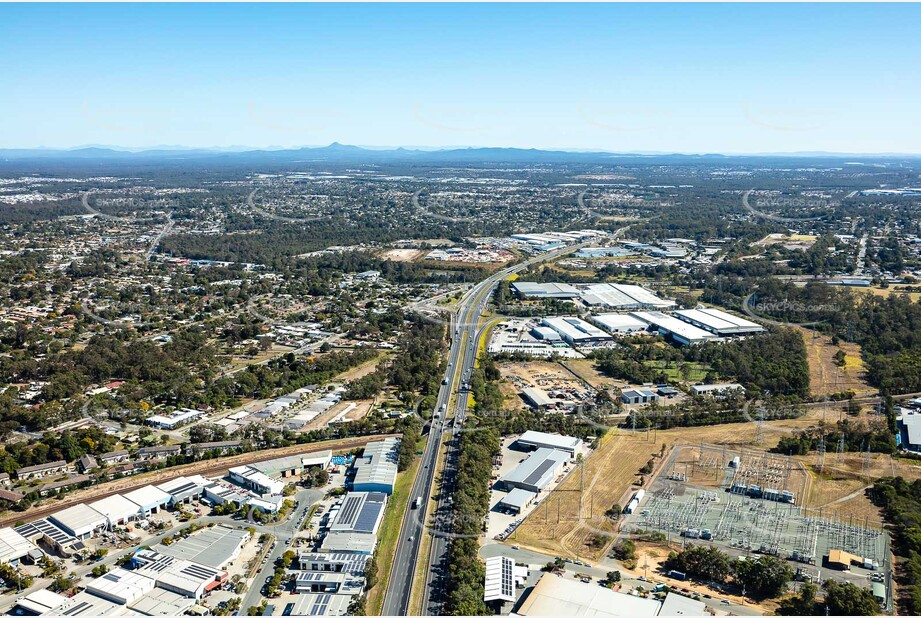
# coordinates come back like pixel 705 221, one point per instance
pixel 464 333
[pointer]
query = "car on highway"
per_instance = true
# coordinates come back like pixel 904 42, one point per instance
pixel 411 539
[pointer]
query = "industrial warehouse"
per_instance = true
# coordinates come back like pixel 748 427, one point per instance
pixel 640 311
pixel 376 469
pixel 354 524
pixel 188 570
pixel 549 455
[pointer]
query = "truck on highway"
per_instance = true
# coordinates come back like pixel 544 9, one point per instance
pixel 417 502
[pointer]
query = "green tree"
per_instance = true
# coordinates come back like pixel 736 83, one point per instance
pixel 846 599
pixel 764 578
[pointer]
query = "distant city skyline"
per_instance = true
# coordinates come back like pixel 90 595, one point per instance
pixel 682 78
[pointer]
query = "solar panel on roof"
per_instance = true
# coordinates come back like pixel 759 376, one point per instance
pixel 540 471
pixel 182 489
pixel 198 572
pixel 320 605
pixel 349 511
pixel 78 609
pixel 367 518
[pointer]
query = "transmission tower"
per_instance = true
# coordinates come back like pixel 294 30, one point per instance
pixel 821 453
pixel 840 447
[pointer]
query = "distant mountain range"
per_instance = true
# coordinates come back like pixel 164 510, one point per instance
pixel 343 153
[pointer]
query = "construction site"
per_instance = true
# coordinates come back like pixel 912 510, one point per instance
pixel 747 503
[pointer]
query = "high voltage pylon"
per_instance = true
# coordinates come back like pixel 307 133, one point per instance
pixel 821 453
pixel 840 447
pixel 759 427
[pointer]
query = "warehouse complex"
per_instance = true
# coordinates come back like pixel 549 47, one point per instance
pixel 575 331
pixel 718 322
pixel 545 290
pixel 249 477
pixel 604 311
pixel 538 439
pixel 677 330
pixel 620 323
pixel 560 596
pixel 354 524
pixel 376 469
pixel 536 472
pixel 617 296
pixel 14 546
pixel 215 547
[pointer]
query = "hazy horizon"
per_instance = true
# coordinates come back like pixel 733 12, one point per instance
pixel 239 148
pixel 620 78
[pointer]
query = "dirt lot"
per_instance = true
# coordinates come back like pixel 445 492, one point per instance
pixel 511 400
pixel 824 376
pixel 542 374
pixel 794 241
pixel 362 407
pixel 585 368
pixel 892 289
pixel 362 370
pixel 403 255
pixel 839 488
pixel 556 525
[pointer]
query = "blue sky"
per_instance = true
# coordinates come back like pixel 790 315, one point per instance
pixel 655 77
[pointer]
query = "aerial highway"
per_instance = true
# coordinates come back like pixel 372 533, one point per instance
pixel 464 333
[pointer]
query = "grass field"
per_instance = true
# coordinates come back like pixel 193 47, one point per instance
pixel 557 526
pixel 698 371
pixel 892 289
pixel 390 532
pixel 825 377
pixel 585 369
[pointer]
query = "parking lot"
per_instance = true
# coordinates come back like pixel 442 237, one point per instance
pixel 500 523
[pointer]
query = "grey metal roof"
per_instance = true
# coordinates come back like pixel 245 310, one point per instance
pixel 537 470
pixel 518 498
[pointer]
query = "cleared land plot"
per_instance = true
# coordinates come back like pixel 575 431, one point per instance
pixel 362 407
pixel 542 374
pixel 363 369
pixel 791 241
pixel 898 290
pixel 825 377
pixel 568 520
pixel 510 398
pixel 403 255
pixel 585 369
